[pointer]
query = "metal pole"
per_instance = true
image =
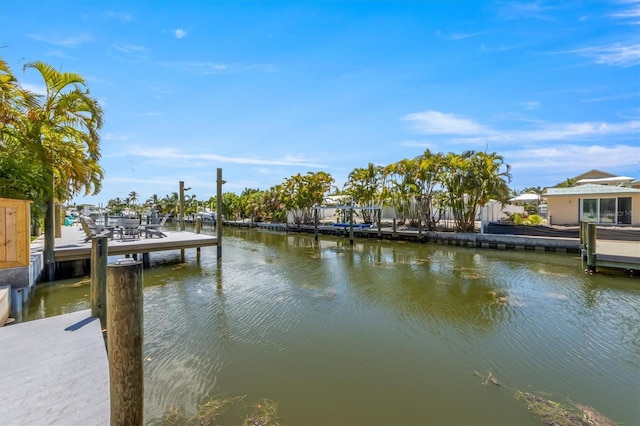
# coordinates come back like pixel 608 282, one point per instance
pixel 124 342
pixel 219 183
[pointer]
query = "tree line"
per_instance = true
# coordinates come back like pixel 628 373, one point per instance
pixel 421 189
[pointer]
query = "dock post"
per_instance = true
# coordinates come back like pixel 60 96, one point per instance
pixel 379 222
pixel 99 255
pixel 146 262
pixel 419 229
pixel 198 228
pixel 315 222
pixel 583 243
pixel 395 227
pixel 219 183
pixel 124 342
pixel 351 225
pixel 591 248
pixel 181 205
pixel 181 213
pixel 59 220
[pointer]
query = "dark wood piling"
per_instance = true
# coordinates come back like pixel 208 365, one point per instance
pixel 219 183
pixel 591 247
pixel 315 223
pixel 125 342
pixel 198 229
pixel 351 225
pixel 99 255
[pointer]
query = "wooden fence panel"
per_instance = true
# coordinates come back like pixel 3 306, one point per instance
pixel 15 240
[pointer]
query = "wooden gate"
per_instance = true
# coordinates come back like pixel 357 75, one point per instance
pixel 15 220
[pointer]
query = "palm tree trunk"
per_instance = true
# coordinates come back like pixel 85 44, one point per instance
pixel 49 238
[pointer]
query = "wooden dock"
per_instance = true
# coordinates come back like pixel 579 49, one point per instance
pixel 618 255
pixel 54 372
pixel 615 254
pixel 71 245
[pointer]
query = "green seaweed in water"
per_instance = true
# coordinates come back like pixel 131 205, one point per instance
pixel 265 413
pixel 555 414
pixel 211 410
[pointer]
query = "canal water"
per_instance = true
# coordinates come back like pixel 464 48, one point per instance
pixel 379 333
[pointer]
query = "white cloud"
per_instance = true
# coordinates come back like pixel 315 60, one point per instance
pixel 459 36
pixel 70 41
pixel 172 154
pixel 616 54
pixel 180 33
pixel 124 17
pixel 530 105
pixel 466 131
pixel 439 123
pixel 418 144
pixel 632 13
pixel 613 97
pixel 113 137
pixel 572 158
pixel 129 48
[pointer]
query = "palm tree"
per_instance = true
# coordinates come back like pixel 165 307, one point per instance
pixel 62 135
pixel 153 200
pixel 472 179
pixel 20 176
pixel 364 186
pixel 170 203
pixel 133 197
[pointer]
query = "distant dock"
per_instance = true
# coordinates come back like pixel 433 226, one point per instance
pixel 55 371
pixel 71 245
pixel 624 255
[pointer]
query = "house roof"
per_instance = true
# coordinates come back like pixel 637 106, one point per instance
pixel 593 174
pixel 526 197
pixel 591 189
pixel 618 179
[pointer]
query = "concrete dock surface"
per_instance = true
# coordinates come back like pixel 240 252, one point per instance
pixel 55 371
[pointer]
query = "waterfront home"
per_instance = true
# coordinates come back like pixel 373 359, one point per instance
pixel 589 202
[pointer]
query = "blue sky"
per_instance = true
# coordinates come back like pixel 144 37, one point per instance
pixel 268 89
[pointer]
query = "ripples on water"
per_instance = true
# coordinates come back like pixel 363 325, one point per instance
pixel 381 332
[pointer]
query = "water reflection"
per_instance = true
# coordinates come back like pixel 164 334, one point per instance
pixel 381 332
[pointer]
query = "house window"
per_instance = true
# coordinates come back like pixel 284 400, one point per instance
pixel 606 210
pixel 590 210
pixel 624 210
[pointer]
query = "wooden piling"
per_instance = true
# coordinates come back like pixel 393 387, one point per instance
pixel 219 183
pixel 181 205
pixel 395 228
pixel 125 342
pixel 351 225
pixel 380 222
pixel 99 255
pixel 591 247
pixel 583 234
pixel 198 229
pixel 315 222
